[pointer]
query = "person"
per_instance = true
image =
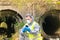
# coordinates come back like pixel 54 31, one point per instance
pixel 31 30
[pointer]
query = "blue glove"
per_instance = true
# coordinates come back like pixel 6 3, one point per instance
pixel 26 28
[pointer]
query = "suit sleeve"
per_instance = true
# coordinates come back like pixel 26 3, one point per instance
pixel 36 29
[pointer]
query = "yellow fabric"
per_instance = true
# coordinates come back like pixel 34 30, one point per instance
pixel 32 36
pixel 3 24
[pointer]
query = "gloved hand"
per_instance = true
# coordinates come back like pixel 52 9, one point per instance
pixel 26 28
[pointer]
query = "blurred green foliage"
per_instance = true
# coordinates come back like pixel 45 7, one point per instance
pixel 19 25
